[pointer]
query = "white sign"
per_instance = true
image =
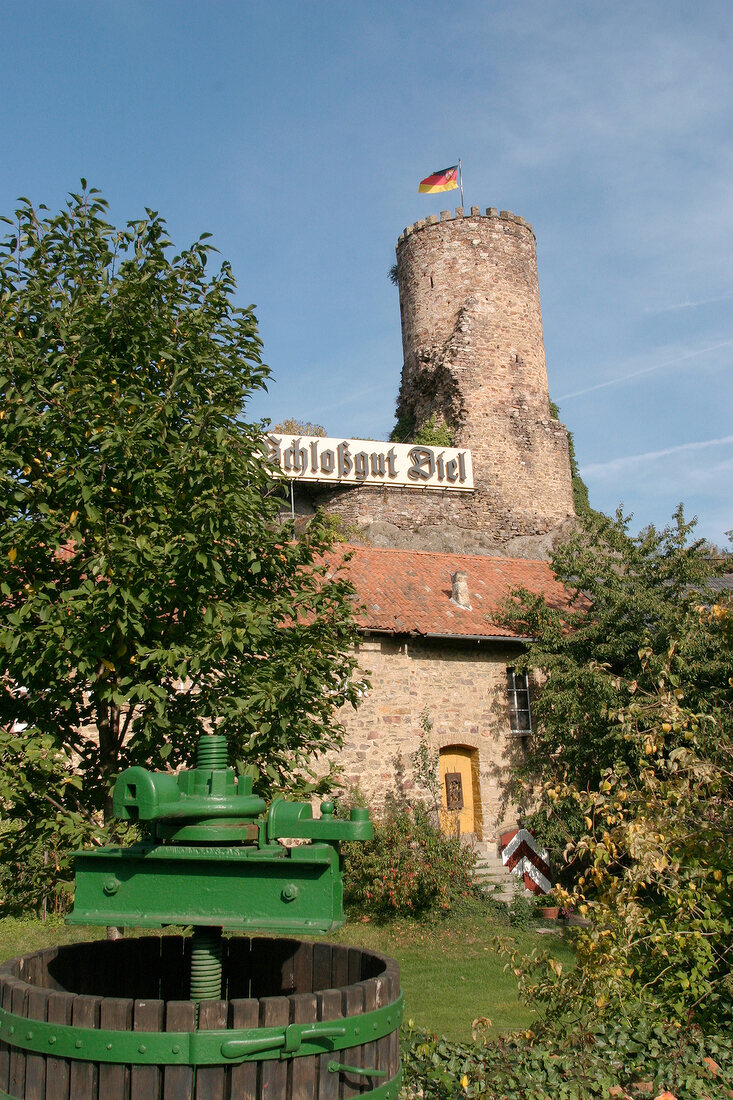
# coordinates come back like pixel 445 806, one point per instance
pixel 367 462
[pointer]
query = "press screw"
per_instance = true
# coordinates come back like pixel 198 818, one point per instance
pixel 109 1046
pixel 77 1044
pixel 111 886
pixel 289 892
pixel 176 1049
pixel 142 1048
pixel 29 1034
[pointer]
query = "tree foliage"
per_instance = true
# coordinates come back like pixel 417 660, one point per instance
pixel 634 748
pixel 629 594
pixel 293 426
pixel 657 879
pixel 147 591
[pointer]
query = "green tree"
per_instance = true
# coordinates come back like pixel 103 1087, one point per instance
pixel 657 881
pixel 292 426
pixel 627 593
pixel 633 767
pixel 147 591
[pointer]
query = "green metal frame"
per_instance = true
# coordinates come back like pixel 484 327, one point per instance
pixel 388 1091
pixel 211 858
pixel 243 888
pixel 339 1067
pixel 199 1048
pixel 211 855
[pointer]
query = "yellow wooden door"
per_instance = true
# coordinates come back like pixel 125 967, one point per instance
pixel 456 785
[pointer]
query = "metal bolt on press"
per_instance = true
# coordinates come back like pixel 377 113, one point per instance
pixel 212 858
pixel 265 1016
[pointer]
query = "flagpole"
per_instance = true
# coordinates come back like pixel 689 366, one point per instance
pixel 460 179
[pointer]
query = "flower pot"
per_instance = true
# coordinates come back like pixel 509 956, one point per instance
pixel 550 912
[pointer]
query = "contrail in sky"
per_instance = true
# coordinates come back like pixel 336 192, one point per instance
pixel 350 399
pixel 644 370
pixel 688 305
pixel 616 464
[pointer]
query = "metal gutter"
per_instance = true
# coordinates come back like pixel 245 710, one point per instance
pixel 521 640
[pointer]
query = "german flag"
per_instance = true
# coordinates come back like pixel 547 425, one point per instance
pixel 447 180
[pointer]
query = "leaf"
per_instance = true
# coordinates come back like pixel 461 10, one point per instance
pixel 135 529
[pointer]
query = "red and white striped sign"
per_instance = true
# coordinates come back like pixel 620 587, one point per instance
pixel 521 853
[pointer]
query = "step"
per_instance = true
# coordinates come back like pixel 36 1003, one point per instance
pixel 494 878
pixel 500 891
pixel 491 874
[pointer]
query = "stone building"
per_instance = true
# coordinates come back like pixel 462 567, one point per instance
pixel 433 650
pixel 474 362
pixel 430 565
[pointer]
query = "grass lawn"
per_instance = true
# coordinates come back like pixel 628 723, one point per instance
pixel 451 971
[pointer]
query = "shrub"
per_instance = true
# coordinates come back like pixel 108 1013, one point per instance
pixel 432 433
pixel 629 1056
pixel 522 911
pixel 409 867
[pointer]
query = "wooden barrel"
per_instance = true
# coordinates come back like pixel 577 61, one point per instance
pixel 111 1020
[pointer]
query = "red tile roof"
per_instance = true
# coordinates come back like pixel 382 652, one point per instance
pixel 409 591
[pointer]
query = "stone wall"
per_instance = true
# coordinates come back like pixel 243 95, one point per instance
pixel 474 359
pixel 462 688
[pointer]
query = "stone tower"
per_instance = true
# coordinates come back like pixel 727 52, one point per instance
pixel 474 361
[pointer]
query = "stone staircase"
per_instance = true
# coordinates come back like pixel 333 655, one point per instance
pixel 491 874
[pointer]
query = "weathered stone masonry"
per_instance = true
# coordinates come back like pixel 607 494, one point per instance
pixel 473 359
pixel 461 687
pixel 432 643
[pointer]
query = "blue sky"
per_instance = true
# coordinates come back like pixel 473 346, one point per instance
pixel 296 131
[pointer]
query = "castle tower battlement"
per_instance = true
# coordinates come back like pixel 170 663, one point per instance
pixel 474 361
pixel 445 215
pixel 471 322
